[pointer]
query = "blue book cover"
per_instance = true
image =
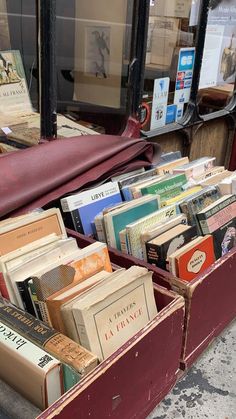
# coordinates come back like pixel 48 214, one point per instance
pixel 81 209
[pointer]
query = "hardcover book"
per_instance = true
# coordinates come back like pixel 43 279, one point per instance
pixel 217 214
pixel 117 220
pixel 193 259
pixel 160 248
pixel 80 210
pixel 134 230
pixel 49 339
pixel 29 369
pixel 109 316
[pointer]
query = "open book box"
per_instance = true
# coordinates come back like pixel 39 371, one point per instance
pixel 209 298
pixel 130 382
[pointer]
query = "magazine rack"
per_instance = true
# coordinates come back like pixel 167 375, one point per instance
pixel 132 381
pixel 210 299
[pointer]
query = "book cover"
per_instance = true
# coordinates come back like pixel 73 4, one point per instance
pixel 80 210
pixel 196 167
pixel 180 197
pixel 196 260
pixel 29 369
pixel 124 176
pixel 166 188
pixel 224 238
pixel 197 202
pixel 45 337
pixel 105 324
pixel 217 214
pixel 135 230
pixel 159 249
pixel 117 220
pixel 168 168
pixel 30 228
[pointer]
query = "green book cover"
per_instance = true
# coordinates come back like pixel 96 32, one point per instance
pixel 166 188
pixel 119 221
pixel 70 377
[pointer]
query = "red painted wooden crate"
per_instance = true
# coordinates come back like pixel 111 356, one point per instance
pixel 132 381
pixel 210 299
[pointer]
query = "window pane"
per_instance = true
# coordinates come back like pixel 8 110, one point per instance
pixel 93 49
pixel 169 62
pixel 219 61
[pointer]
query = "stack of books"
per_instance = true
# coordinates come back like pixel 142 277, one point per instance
pixel 63 309
pixel 177 206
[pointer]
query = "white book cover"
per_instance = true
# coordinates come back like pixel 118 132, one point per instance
pixel 29 369
pixel 135 230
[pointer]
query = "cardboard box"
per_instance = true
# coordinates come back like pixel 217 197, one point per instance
pixel 164 40
pixel 171 8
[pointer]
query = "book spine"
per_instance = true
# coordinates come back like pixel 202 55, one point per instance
pixel 25 297
pixel 101 234
pixel 107 229
pixel 34 299
pixel 81 329
pixel 44 312
pixel 126 194
pixel 124 242
pixel 48 338
pixel 72 220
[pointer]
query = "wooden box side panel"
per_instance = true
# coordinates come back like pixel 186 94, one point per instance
pixel 211 306
pixel 133 382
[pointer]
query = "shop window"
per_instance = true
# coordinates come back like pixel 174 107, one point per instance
pixel 169 62
pixel 93 52
pixel 219 59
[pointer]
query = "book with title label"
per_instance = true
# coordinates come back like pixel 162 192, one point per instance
pixel 168 187
pixel 217 214
pixel 80 210
pixel 30 370
pixel 192 259
pixel 109 316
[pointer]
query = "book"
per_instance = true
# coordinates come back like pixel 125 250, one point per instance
pixel 89 261
pixel 160 248
pixel 79 210
pixel 20 256
pixel 171 156
pixel 180 197
pixel 60 346
pixel 24 230
pixel 124 241
pixel 216 179
pixel 198 201
pixel 142 177
pixel 193 259
pixel 129 191
pixel 196 167
pixel 56 300
pixel 160 228
pixel 168 167
pixel 99 221
pixel 224 238
pixel 108 317
pixel 117 220
pixel 167 188
pixel 226 185
pixel 29 369
pixel 134 230
pixel 217 214
pixel 127 175
pixel 64 249
pixel 209 173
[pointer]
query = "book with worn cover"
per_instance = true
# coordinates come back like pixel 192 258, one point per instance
pixel 193 259
pixel 217 214
pixel 196 167
pixel 63 348
pixel 134 230
pixel 117 220
pixel 56 300
pixel 108 317
pixel 29 369
pixel 80 209
pixel 160 248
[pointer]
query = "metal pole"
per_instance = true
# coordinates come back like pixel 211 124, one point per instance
pixel 47 68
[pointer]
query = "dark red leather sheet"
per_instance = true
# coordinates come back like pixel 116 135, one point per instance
pixel 34 177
